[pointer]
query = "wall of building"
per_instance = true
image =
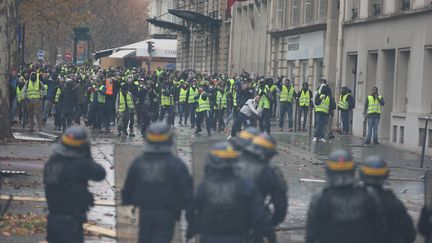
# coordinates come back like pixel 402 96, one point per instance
pixel 159 8
pixel 394 54
pixel 249 39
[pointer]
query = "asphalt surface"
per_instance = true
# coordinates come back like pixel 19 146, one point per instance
pixel 298 158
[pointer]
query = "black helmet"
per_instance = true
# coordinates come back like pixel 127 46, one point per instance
pixel 340 168
pixel 264 146
pixel 74 143
pixel 244 138
pixel 374 170
pixel 159 138
pixel 222 156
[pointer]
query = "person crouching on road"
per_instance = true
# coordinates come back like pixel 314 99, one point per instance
pixel 249 109
pixel 125 110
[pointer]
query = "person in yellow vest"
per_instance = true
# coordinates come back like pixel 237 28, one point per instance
pixel 167 102
pixel 221 106
pixel 124 106
pixel 322 108
pixel 287 94
pixel 192 101
pixel 183 104
pixel 264 104
pixel 346 103
pixel 372 111
pixel 97 105
pixel 21 107
pixel 57 108
pixel 33 93
pixel 203 111
pixel 304 102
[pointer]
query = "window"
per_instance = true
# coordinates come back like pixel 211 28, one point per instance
pixel 295 12
pixel 375 7
pixel 291 74
pixel 354 8
pixel 308 11
pixel 279 13
pixel 304 71
pixel 322 10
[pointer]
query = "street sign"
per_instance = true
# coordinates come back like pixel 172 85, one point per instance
pixel 68 56
pixel 40 54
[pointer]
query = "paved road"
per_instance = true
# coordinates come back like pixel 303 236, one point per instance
pixel 297 157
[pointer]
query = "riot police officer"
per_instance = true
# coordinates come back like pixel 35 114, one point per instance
pixel 254 164
pixel 227 206
pixel 66 176
pixel 374 172
pixel 344 212
pixel 159 183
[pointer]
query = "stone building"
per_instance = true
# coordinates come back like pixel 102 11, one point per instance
pixel 388 44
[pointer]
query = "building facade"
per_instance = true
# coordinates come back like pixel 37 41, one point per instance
pixel 159 9
pixel 388 44
pixel 303 34
pixel 249 39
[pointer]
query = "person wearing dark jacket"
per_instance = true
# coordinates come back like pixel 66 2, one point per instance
pixel 67 102
pixel 227 206
pixel 346 104
pixel 374 172
pixel 66 176
pixel 343 211
pixel 159 183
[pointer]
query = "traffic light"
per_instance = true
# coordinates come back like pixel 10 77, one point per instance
pixel 151 47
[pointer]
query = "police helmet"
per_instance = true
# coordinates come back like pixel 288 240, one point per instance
pixel 264 146
pixel 159 138
pixel 374 170
pixel 222 156
pixel 244 138
pixel 340 168
pixel 74 143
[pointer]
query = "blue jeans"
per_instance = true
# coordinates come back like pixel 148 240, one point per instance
pixel 373 122
pixel 286 107
pixel 345 121
pixel 320 124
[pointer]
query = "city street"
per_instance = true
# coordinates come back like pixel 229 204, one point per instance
pixel 300 160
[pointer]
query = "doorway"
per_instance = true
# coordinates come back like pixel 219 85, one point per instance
pixel 386 90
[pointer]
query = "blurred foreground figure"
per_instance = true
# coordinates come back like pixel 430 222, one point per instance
pixel 374 172
pixel 255 165
pixel 344 212
pixel 159 183
pixel 227 206
pixel 66 176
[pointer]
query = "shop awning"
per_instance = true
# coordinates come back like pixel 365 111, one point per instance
pixel 122 53
pixel 169 25
pixel 194 17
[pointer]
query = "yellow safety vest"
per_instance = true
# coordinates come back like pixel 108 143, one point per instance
pixel 182 97
pixel 203 105
pixel 305 98
pixel 287 95
pixel 264 101
pixel 19 94
pixel 221 100
pixel 165 100
pixel 57 96
pixel 122 103
pixel 235 98
pixel 33 90
pixel 374 106
pixel 324 106
pixel 343 103
pixel 192 94
pixel 101 97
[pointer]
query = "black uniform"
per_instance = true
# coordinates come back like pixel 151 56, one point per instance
pixel 66 181
pixel 345 214
pixel 228 207
pixel 270 183
pixel 161 186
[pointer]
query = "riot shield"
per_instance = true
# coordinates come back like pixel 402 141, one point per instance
pixel 128 216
